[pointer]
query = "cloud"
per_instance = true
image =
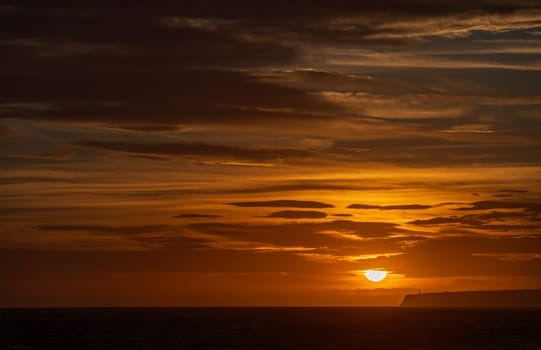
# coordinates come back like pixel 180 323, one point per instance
pixel 390 207
pixel 308 184
pixel 458 25
pixel 33 179
pixel 64 156
pixel 216 51
pixel 340 237
pixel 510 256
pixel 5 131
pixel 319 80
pixel 470 256
pixel 72 92
pixel 199 150
pixel 63 265
pixel 171 242
pixel 513 191
pixel 297 214
pixel 197 216
pixel 149 37
pixel 532 207
pixel 128 230
pixel 399 60
pixel 252 103
pixel 447 220
pixel 418 151
pixel 284 203
pixel 524 221
pixel 472 220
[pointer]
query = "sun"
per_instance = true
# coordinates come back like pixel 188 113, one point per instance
pixel 375 275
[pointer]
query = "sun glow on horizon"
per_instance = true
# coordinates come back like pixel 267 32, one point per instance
pixel 375 275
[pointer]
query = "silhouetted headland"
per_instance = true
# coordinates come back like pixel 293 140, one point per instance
pixel 493 298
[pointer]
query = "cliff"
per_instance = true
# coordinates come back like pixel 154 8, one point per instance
pixel 496 298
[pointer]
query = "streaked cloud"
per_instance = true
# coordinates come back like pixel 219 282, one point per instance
pixel 232 152
pixel 390 207
pixel 197 216
pixel 285 203
pixel 297 214
pixel 202 150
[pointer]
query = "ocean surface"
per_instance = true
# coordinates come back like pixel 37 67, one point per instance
pixel 270 328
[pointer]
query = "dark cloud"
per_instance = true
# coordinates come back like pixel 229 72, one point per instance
pixel 143 237
pixel 197 216
pixel 528 228
pixel 179 96
pixel 199 150
pixel 532 207
pixel 169 242
pixel 145 36
pixel 66 156
pixel 308 19
pixel 297 214
pixel 473 219
pixel 128 230
pixel 285 203
pixel 150 128
pixel 379 83
pixel 390 207
pixel 173 63
pixel 319 80
pixel 56 265
pixel 91 92
pixel 463 256
pixel 363 206
pixel 362 237
pixel 12 210
pixel 448 149
pixel 447 220
pixel 313 185
pixel 32 179
pixel 5 131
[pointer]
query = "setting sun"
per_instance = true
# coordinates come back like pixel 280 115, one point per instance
pixel 375 275
pixel 267 153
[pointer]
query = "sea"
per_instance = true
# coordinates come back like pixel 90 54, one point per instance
pixel 270 328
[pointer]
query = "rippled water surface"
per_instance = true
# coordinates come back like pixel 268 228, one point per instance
pixel 270 328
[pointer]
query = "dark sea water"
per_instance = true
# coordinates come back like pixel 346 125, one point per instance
pixel 270 328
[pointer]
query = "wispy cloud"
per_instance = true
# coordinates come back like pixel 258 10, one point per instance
pixel 390 207
pixel 197 216
pixel 246 150
pixel 297 214
pixel 201 150
pixel 283 203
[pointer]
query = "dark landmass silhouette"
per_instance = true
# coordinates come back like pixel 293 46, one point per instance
pixel 491 298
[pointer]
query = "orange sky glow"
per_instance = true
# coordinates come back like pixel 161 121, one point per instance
pixel 225 155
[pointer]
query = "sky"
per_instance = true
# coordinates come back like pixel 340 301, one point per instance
pixel 267 152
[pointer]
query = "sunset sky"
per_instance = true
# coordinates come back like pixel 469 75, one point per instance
pixel 267 152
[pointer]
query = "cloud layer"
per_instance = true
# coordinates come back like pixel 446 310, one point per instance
pixel 241 152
